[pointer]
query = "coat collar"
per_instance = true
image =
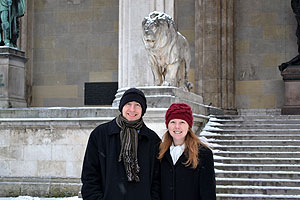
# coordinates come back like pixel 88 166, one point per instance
pixel 115 129
pixel 181 159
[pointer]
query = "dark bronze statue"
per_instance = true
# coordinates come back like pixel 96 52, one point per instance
pixel 10 12
pixel 295 61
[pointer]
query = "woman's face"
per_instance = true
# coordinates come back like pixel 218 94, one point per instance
pixel 178 129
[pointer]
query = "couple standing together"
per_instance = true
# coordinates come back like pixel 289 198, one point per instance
pixel 125 160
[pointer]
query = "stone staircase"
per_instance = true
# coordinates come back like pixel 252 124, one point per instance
pixel 256 156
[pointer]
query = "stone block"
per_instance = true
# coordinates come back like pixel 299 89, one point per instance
pixel 76 137
pixel 244 33
pixel 23 168
pixel 74 168
pixel 264 101
pixel 17 137
pixel 67 153
pixel 292 97
pixel 47 42
pixel 55 79
pixel 248 6
pixel 262 46
pixel 10 190
pixel 251 88
pixel 291 78
pixel 105 76
pixel 274 32
pixel 13 152
pixel 58 91
pixel 37 152
pixel 271 60
pixel 242 101
pixel 53 168
pixel 30 189
pixel 263 19
pixel 64 190
pixel 5 138
pixel 242 46
pixel 39 136
pixel 5 168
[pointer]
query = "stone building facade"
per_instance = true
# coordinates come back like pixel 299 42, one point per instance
pixel 236 48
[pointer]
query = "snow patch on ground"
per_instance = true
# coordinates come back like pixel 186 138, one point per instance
pixel 39 198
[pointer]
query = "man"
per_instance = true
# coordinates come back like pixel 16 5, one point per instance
pixel 120 161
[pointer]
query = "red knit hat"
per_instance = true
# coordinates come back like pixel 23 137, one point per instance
pixel 179 111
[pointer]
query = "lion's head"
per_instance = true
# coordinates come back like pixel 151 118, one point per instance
pixel 158 28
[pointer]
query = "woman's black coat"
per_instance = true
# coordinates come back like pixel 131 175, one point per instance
pixel 104 178
pixel 179 182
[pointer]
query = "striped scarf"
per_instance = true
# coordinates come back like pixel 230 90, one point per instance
pixel 129 145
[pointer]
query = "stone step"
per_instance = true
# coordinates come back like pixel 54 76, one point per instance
pixel 39 186
pixel 258 182
pixel 258 167
pixel 240 160
pixel 255 142
pixel 293 175
pixel 59 112
pixel 252 137
pixel 221 196
pixel 249 189
pixel 273 121
pixel 246 148
pixel 254 117
pixel 257 154
pixel 258 126
pixel 254 131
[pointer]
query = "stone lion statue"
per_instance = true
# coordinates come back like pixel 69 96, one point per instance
pixel 168 51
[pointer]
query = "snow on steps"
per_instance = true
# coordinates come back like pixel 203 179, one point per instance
pixel 256 156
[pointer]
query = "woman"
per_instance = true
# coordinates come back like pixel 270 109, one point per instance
pixel 187 166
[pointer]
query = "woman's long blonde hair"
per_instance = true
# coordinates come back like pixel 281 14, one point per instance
pixel 192 145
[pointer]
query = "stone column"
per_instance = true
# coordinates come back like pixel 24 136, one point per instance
pixel 214 52
pixel 133 66
pixel 12 78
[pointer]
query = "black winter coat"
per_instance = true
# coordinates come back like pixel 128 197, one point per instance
pixel 179 182
pixel 104 178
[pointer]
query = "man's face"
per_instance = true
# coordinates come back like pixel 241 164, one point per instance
pixel 132 111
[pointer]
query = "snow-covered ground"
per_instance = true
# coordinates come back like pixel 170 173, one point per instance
pixel 38 198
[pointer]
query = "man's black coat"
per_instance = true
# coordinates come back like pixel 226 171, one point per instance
pixel 104 178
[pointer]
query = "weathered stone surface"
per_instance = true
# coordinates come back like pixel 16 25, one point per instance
pixel 291 77
pixel 12 78
pixel 42 154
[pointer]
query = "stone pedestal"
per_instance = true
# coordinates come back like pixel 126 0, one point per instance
pixel 12 78
pixel 291 78
pixel 164 96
